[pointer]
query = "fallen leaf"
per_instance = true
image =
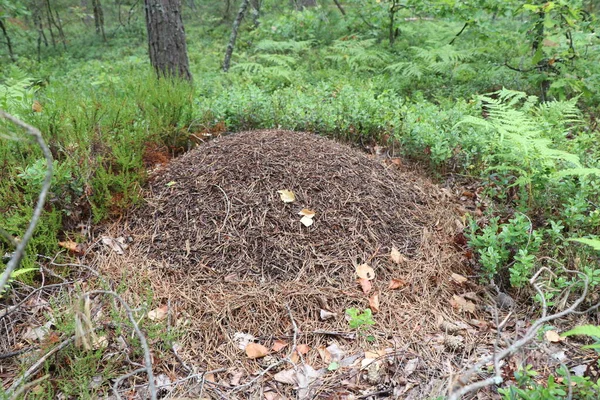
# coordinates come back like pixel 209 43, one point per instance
pixel 553 336
pixel 36 106
pixel 364 271
pixel 462 304
pixel 365 284
pixel 397 257
pixel 325 354
pixel 236 378
pixel 242 339
pixel 278 345
pixel 306 221
pixel 458 278
pixel 374 302
pixel 325 315
pixel 287 376
pixel 396 284
pixel 287 196
pixel 256 350
pixel 295 357
pixel 99 342
pixel 302 348
pixel 307 213
pixel 171 183
pixel 117 245
pixel 158 314
pixel 336 352
pixel 72 246
pixel 410 367
pixel 333 366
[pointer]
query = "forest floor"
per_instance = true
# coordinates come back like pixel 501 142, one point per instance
pixel 289 265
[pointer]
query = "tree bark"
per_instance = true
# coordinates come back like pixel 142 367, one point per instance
pixel 8 43
pixel 302 4
pixel 99 18
pixel 166 39
pixel 339 6
pixel 233 37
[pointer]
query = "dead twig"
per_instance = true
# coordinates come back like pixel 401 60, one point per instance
pixel 17 256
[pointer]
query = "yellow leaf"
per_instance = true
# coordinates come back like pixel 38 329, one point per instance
pixel 365 272
pixel 287 196
pixel 307 213
pixel 256 350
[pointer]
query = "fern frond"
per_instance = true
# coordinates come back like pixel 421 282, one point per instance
pixel 277 59
pixel 291 46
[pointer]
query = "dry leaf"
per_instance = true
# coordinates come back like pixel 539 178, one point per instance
pixel 295 357
pixel 365 284
pixel 72 246
pixel 365 272
pixel 325 354
pixel 462 304
pixel 256 350
pixel 236 378
pixel 117 245
pixel 306 221
pixel 36 106
pixel 278 345
pixel 396 284
pixel 286 376
pixel 158 314
pixel 325 315
pixel 336 352
pixel 302 348
pixel 242 339
pixel 458 278
pixel 287 196
pixel 307 213
pixel 553 336
pixel 397 257
pixel 374 302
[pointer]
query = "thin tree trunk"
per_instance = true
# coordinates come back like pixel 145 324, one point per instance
pixel 8 43
pixel 256 12
pixel 49 19
pixel 234 32
pixel 58 23
pixel 166 39
pixel 339 6
pixel 99 18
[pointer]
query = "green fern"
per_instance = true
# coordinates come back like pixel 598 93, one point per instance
pixel 290 46
pixel 15 91
pixel 358 55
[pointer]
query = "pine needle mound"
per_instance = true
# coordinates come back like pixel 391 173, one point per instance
pixel 215 241
pixel 218 207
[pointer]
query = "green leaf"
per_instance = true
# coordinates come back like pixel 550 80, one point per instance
pixel 333 366
pixel 587 330
pixel 594 243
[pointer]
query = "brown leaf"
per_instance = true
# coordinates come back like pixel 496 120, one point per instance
pixel 256 350
pixel 278 345
pixel 365 284
pixel 36 107
pixel 397 284
pixel 458 278
pixel 302 348
pixel 462 304
pixel 325 354
pixel 307 213
pixel 73 247
pixel 374 302
pixel 397 257
pixel 158 314
pixel 364 271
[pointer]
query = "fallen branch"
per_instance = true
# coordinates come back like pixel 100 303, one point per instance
pixel 496 379
pixel 17 256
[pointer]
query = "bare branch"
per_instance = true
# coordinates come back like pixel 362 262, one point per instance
pixel 37 212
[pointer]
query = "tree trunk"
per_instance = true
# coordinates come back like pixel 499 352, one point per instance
pixel 166 39
pixel 256 12
pixel 234 31
pixel 8 43
pixel 302 4
pixel 99 18
pixel 339 6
